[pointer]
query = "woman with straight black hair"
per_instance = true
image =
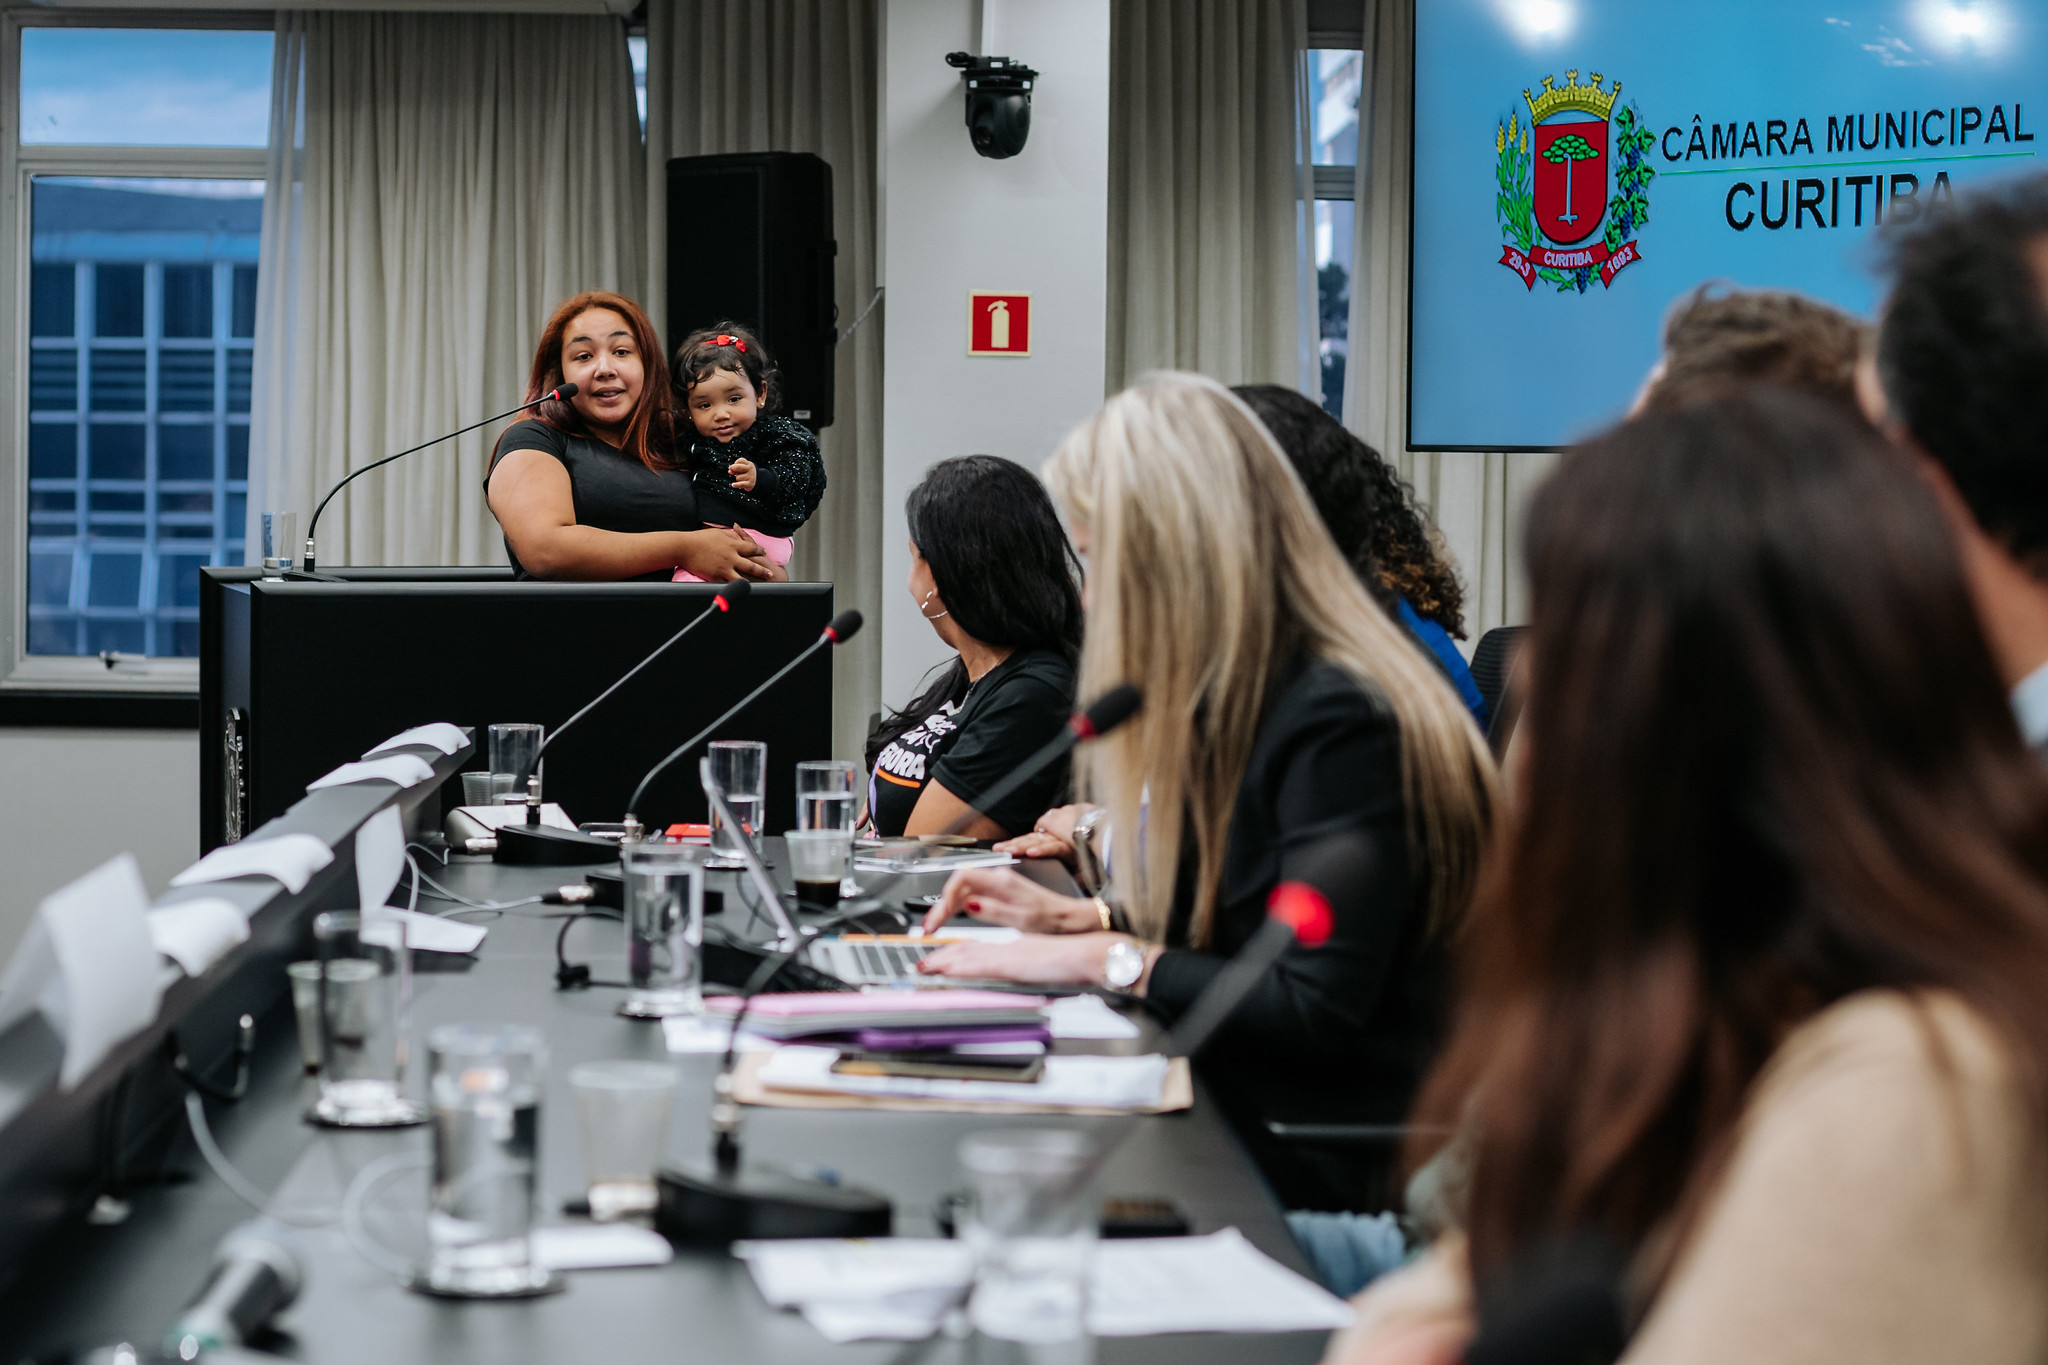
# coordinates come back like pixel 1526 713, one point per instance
pixel 1753 992
pixel 993 572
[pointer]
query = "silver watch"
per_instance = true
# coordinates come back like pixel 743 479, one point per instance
pixel 1122 965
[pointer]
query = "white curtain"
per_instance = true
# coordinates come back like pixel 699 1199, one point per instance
pixel 797 76
pixel 437 184
pixel 1209 266
pixel 1477 498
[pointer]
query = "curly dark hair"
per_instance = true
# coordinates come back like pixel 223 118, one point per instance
pixel 703 353
pixel 1962 352
pixel 1370 511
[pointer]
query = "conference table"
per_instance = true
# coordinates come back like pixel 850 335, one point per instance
pixel 92 1284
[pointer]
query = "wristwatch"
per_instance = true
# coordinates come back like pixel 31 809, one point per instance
pixel 1122 965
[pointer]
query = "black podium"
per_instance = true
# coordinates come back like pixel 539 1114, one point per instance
pixel 298 677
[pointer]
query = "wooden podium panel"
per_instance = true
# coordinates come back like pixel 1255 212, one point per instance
pixel 299 677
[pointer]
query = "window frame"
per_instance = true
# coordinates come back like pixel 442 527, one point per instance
pixel 23 676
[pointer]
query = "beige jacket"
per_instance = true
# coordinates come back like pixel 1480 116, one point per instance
pixel 1887 1201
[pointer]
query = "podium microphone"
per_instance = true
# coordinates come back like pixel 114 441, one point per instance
pixel 536 845
pixel 842 628
pixel 555 394
pixel 1110 710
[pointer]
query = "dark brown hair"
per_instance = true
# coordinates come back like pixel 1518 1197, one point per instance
pixel 1770 764
pixel 1720 340
pixel 731 347
pixel 650 433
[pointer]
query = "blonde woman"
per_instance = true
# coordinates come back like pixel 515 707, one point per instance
pixel 1282 709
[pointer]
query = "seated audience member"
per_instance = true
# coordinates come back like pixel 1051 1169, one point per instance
pixel 752 468
pixel 992 571
pixel 1962 381
pixel 1752 991
pixel 591 489
pixel 1718 339
pixel 1283 710
pixel 1381 533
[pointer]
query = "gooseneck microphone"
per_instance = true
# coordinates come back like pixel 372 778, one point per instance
pixel 1109 710
pixel 533 844
pixel 842 628
pixel 255 1277
pixel 556 394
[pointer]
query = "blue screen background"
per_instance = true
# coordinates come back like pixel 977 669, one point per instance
pixel 1495 365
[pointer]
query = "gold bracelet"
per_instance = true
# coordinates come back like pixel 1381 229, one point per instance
pixel 1102 909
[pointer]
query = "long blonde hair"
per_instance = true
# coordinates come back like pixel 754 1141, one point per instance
pixel 1208 570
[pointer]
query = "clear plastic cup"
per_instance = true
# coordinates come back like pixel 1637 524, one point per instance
pixel 515 749
pixel 478 788
pixel 826 799
pixel 664 902
pixel 817 863
pixel 622 1113
pixel 485 1087
pixel 305 979
pixel 1031 1222
pixel 363 995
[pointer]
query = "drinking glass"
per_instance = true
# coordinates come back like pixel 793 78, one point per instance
pixel 817 861
pixel 305 979
pixel 280 539
pixel 485 1087
pixel 365 1007
pixel 478 788
pixel 1031 1222
pixel 515 749
pixel 740 767
pixel 622 1112
pixel 664 894
pixel 825 800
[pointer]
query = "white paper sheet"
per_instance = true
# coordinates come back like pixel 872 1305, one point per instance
pixel 380 856
pixel 1086 1016
pixel 599 1246
pixel 99 931
pixel 1083 1082
pixel 288 858
pixel 696 1033
pixel 439 734
pixel 407 770
pixel 431 933
pixel 31 981
pixel 898 1288
pixel 195 934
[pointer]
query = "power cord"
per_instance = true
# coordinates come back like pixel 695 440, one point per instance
pixel 575 976
pixel 197 1091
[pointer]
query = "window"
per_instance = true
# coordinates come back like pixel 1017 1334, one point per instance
pixel 1335 76
pixel 139 158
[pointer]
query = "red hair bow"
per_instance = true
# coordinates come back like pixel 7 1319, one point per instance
pixel 728 339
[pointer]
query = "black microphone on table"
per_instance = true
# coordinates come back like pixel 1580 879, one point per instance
pixel 255 1276
pixel 556 394
pixel 842 628
pixel 533 844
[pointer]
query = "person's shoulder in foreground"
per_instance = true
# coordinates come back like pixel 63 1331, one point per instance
pixel 1886 1200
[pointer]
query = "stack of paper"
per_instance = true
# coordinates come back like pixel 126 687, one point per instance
pixel 900 1288
pixel 804 1014
pixel 1067 1082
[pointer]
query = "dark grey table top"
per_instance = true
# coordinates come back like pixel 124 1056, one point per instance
pixel 95 1284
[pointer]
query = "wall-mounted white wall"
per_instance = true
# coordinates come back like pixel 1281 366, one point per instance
pixel 953 222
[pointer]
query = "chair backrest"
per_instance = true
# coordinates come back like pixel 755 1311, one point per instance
pixel 1492 659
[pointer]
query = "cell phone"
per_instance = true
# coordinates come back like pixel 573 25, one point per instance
pixel 933 1066
pixel 1143 1218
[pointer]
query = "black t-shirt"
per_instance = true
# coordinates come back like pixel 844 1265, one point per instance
pixel 1337 1034
pixel 608 488
pixel 973 741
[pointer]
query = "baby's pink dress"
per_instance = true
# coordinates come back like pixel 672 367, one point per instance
pixel 779 549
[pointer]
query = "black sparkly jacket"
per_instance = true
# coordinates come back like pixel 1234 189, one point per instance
pixel 789 477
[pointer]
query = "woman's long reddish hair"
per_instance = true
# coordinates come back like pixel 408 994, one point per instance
pixel 650 434
pixel 1770 764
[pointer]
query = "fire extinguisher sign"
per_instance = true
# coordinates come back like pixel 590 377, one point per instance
pixel 998 324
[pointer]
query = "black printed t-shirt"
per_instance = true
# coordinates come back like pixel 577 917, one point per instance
pixel 608 488
pixel 973 740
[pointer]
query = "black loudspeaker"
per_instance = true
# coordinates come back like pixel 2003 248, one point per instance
pixel 750 241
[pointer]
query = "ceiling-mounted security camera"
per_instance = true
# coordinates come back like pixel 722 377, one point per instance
pixel 998 102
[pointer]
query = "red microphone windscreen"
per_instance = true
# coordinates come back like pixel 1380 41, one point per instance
pixel 1110 710
pixel 844 626
pixel 733 593
pixel 1303 909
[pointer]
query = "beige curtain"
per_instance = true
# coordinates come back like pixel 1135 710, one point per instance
pixel 797 76
pixel 437 184
pixel 1209 266
pixel 1477 498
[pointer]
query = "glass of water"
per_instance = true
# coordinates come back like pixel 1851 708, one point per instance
pixel 364 1002
pixel 485 1086
pixel 825 800
pixel 622 1114
pixel 664 894
pixel 1031 1222
pixel 515 749
pixel 740 767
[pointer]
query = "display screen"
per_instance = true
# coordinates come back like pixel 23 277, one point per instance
pixel 1580 165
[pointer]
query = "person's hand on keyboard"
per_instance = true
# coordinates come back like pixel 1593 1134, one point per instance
pixel 997 895
pixel 1065 960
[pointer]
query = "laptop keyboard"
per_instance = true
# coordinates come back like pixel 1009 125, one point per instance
pixel 887 961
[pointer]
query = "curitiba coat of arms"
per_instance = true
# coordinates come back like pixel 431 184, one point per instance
pixel 1553 175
